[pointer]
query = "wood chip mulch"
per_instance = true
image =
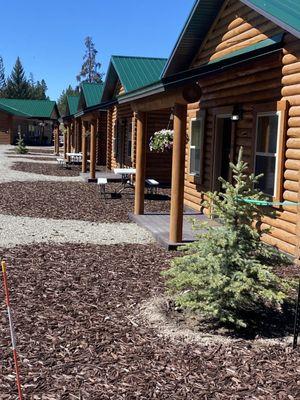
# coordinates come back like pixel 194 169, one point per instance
pixel 78 338
pixel 36 158
pixel 46 169
pixel 73 200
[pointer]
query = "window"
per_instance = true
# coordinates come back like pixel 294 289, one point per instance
pixel 196 146
pixel 267 138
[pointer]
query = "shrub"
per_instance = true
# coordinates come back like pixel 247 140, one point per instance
pixel 21 147
pixel 229 271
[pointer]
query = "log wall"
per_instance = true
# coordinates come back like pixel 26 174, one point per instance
pixel 274 78
pixel 5 134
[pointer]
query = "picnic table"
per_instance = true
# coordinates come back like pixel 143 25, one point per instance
pixel 75 157
pixel 126 177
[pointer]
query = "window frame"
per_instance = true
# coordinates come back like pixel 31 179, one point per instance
pixel 279 108
pixel 197 178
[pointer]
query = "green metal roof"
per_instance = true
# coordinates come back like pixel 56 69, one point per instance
pixel 92 93
pixel 132 72
pixel 73 102
pixel 29 108
pixel 285 13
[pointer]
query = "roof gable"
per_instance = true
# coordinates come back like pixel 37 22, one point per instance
pixel 285 14
pixel 132 72
pixel 30 108
pixel 236 27
pixel 192 35
pixel 90 95
pixel 72 105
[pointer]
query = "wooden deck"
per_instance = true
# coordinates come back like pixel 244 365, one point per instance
pixel 158 225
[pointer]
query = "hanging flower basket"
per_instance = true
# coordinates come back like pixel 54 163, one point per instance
pixel 162 141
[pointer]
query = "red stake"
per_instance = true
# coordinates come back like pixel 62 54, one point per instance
pixel 11 328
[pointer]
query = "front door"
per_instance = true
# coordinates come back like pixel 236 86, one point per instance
pixel 222 150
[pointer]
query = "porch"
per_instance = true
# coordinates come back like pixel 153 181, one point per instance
pixel 158 225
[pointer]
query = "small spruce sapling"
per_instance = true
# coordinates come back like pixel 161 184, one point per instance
pixel 21 147
pixel 229 271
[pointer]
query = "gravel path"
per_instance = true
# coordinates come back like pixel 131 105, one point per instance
pixel 8 175
pixel 33 228
pixel 24 230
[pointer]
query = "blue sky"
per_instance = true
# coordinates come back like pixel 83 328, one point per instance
pixel 49 36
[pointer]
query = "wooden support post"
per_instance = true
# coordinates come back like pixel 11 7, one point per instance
pixel 178 165
pixel 65 143
pixel 84 147
pixel 56 140
pixel 93 150
pixel 140 164
pixel 68 141
pixel 10 129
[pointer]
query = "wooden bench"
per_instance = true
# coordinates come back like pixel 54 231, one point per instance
pixel 151 186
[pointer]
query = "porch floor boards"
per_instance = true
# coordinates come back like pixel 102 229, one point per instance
pixel 159 224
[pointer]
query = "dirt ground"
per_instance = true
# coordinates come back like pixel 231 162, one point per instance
pixel 78 338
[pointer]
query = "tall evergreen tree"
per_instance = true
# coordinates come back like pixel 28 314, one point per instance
pixel 62 100
pixel 90 67
pixel 2 78
pixel 18 86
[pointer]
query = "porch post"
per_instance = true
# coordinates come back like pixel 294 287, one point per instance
pixel 93 150
pixel 65 143
pixel 178 165
pixel 68 141
pixel 56 140
pixel 83 147
pixel 140 164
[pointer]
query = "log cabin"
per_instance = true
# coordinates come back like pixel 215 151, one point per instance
pixel 126 75
pixel 34 120
pixel 86 130
pixel 71 141
pixel 233 80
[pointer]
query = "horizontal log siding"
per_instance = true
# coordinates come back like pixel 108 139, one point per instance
pixel 101 144
pixel 261 82
pixel 118 112
pixel 5 136
pixel 158 165
pixel 236 27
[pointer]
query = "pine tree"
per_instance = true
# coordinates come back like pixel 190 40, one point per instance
pixel 62 100
pixel 18 86
pixel 229 271
pixel 2 78
pixel 90 67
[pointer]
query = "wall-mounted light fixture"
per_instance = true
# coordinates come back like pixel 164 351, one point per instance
pixel 237 113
